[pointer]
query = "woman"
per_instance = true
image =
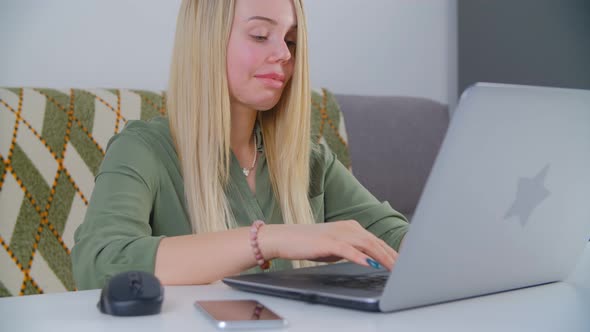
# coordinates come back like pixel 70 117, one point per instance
pixel 178 196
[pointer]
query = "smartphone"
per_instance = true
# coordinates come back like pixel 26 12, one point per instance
pixel 236 314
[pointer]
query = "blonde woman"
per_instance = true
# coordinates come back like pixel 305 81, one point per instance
pixel 179 196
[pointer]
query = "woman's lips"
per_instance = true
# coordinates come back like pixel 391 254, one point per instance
pixel 272 80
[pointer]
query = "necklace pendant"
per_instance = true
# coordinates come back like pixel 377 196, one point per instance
pixel 246 171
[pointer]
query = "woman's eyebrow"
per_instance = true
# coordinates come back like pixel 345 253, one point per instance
pixel 269 20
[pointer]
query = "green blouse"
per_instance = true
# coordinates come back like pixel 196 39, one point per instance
pixel 138 198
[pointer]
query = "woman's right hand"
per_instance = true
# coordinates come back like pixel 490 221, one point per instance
pixel 328 241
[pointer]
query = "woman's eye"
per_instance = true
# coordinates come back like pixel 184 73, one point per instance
pixel 260 38
pixel 290 43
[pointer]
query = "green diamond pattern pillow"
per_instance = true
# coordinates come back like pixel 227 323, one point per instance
pixel 52 142
pixel 327 125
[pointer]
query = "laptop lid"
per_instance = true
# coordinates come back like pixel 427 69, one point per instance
pixel 506 203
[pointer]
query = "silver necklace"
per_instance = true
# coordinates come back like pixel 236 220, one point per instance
pixel 246 170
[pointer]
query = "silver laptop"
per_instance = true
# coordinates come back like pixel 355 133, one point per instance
pixel 505 207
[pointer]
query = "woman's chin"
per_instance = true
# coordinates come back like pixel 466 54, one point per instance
pixel 265 108
pixel 267 104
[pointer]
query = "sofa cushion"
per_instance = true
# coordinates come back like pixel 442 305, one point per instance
pixel 327 125
pixel 413 129
pixel 52 142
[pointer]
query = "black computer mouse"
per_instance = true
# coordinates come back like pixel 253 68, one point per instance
pixel 133 293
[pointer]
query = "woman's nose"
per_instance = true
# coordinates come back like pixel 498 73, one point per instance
pixel 281 53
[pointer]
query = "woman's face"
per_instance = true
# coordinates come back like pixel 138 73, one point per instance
pixel 261 50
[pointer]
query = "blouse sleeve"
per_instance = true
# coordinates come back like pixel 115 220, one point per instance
pixel 345 198
pixel 116 235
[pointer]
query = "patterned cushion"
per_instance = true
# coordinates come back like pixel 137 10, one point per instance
pixel 52 142
pixel 327 125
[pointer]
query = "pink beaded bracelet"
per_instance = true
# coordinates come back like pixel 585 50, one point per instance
pixel 256 225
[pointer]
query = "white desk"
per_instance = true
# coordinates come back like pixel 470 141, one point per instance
pixel 563 306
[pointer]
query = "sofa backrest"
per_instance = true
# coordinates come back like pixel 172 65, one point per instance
pixel 393 142
pixel 52 142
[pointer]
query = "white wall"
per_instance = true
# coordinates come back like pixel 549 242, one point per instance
pixel 376 47
pixel 88 43
pixel 384 47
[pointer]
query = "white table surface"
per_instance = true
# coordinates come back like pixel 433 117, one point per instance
pixel 562 306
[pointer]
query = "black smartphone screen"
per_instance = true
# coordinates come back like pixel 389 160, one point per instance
pixel 237 310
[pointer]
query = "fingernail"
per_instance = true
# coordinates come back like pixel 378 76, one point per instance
pixel 373 263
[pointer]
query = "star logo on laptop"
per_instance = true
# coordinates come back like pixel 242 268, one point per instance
pixel 531 192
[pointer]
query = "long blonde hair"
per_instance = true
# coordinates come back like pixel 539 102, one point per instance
pixel 199 112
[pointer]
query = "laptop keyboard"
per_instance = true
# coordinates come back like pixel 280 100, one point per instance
pixel 370 282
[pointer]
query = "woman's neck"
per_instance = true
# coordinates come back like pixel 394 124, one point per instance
pixel 242 126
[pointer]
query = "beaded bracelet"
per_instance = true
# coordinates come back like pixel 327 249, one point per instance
pixel 256 225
